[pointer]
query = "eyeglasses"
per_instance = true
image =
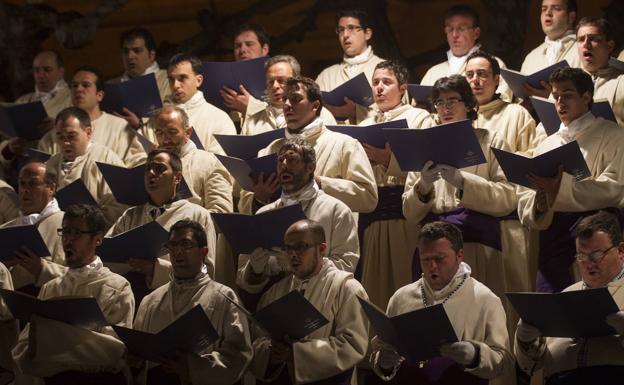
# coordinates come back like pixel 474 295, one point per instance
pixel 448 103
pixel 30 184
pixel 298 248
pixel 351 28
pixel 67 232
pixel 461 29
pixel 595 257
pixel 180 246
pixel 481 74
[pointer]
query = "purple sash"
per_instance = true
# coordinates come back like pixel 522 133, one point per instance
pixel 437 371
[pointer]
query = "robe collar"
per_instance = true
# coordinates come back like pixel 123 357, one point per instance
pixel 456 63
pixel 575 128
pixel 152 69
pixel 90 270
pixel 303 284
pixel 187 148
pixel 195 101
pixel 434 296
pixel 391 115
pixel 51 208
pixel 492 105
pixel 311 130
pixel 553 47
pixel 183 284
pixel 307 193
pixel 45 96
pixel 66 166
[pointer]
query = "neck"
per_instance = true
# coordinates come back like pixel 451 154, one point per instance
pixel 162 199
pixel 90 260
pixel 95 113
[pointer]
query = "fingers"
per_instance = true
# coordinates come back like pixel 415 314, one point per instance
pixel 243 90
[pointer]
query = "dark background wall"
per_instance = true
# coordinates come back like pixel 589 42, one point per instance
pixel 87 31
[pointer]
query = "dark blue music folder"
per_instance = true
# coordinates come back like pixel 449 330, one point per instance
pixel 454 144
pixel 192 332
pixel 516 79
pixel 144 242
pixel 140 95
pixel 358 89
pixel 23 120
pixel 82 312
pixel 547 112
pixel 16 237
pixel 74 193
pixel 247 146
pixel 372 134
pixel 248 73
pixel 517 167
pixel 247 232
pixel 246 172
pixel 419 92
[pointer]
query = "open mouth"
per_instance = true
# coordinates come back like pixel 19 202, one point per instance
pixel 285 177
pixel 587 54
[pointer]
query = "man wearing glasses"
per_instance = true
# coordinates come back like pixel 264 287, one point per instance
pixel 599 360
pixel 461 26
pixel 556 203
pixel 354 32
pixel 328 355
pixel 222 362
pixel 295 173
pixel 163 173
pixel 62 353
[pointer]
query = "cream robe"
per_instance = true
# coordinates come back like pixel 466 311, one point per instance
pixel 609 84
pixel 174 212
pixel 336 347
pixel 54 105
pixel 109 131
pixel 54 264
pixel 442 69
pixel 84 168
pixel 209 181
pixel 9 327
pixel 558 354
pixel 9 206
pixel 511 122
pixel 224 361
pixel 59 346
pixel 477 316
pixel 536 59
pixel 341 235
pixel 259 118
pixel 486 191
pixel 342 166
pixel 162 81
pixel 601 144
pixel 388 245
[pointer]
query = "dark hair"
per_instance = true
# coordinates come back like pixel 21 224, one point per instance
pixel 572 7
pixel 582 80
pixel 601 23
pixel 493 62
pixel 462 10
pixel 199 234
pixel 313 92
pixel 356 13
pixel 99 81
pixel 437 230
pixel 136 33
pixel 74 112
pixel 57 56
pixel 318 233
pixel 400 72
pixel 459 84
pixel 174 159
pixel 196 63
pixel 263 38
pixel 92 215
pixel 308 154
pixel 601 221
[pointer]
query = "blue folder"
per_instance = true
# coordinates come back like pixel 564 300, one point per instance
pixel 248 73
pixel 74 193
pixel 23 120
pixel 192 332
pixel 37 156
pixel 195 139
pixel 372 134
pixel 572 314
pixel 144 242
pixel 358 89
pixel 547 112
pixel 247 232
pixel 246 172
pixel 454 144
pixel 247 146
pixel 419 92
pixel 82 312
pixel 16 237
pixel 140 95
pixel 517 167
pixel 417 335
pixel 516 79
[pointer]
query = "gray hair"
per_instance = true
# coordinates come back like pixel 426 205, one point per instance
pixel 170 107
pixel 294 64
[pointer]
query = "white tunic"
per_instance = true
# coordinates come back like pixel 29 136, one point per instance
pixel 60 100
pixel 512 122
pixel 537 59
pixel 9 206
pixel 609 84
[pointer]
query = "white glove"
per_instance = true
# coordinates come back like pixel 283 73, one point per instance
pixel 462 352
pixel 452 175
pixel 527 333
pixel 388 358
pixel 616 321
pixel 277 262
pixel 258 259
pixel 428 175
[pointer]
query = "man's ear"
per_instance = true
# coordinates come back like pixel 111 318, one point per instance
pixel 89 131
pixel 99 95
pixel 200 80
pixel 177 178
pixel 316 105
pixel 152 55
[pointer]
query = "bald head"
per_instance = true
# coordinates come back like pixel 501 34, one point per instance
pixel 305 245
pixel 36 187
pixel 171 126
pixel 316 231
pixel 47 70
